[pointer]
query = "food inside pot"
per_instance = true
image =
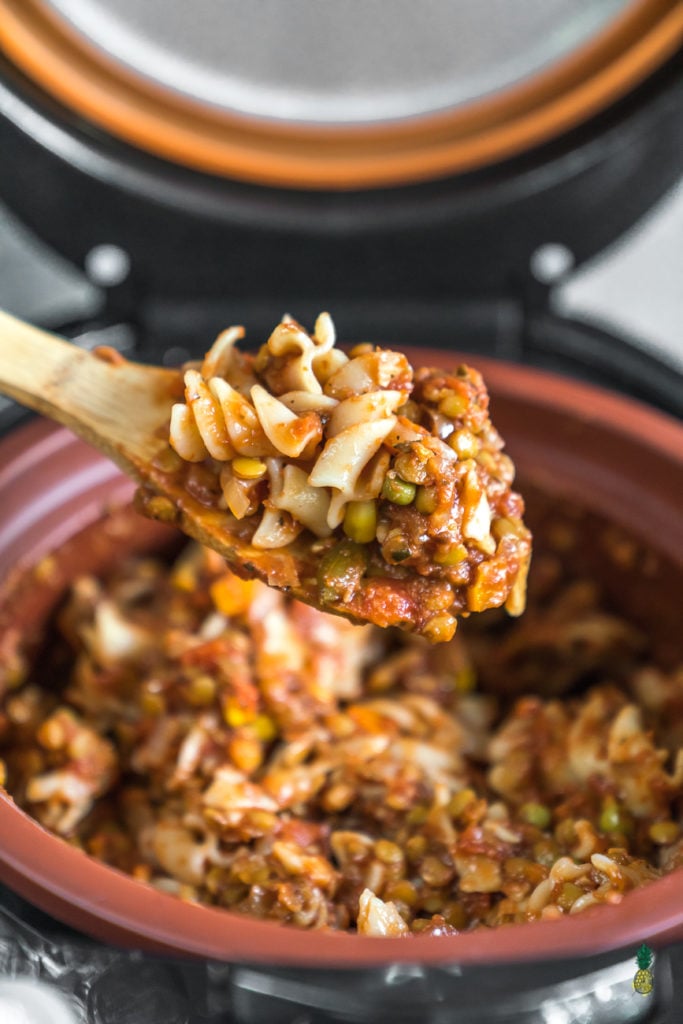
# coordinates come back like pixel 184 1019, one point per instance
pixel 379 491
pixel 230 746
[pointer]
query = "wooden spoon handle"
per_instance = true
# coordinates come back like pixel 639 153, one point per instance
pixel 33 363
pixel 117 406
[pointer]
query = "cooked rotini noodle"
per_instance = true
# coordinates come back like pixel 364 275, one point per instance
pixel 294 494
pixel 220 360
pixel 305 438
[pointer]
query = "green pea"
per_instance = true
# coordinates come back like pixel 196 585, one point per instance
pixel 451 556
pixel 569 894
pixel 453 405
pixel 536 814
pixel 425 501
pixel 612 818
pixel 398 491
pixel 360 521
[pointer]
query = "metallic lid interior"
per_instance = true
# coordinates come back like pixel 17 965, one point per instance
pixel 343 62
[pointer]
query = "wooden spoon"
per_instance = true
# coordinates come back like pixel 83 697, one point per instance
pixel 123 409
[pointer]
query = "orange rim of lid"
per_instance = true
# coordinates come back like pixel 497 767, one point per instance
pixel 306 156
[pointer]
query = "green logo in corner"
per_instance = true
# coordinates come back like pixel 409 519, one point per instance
pixel 643 981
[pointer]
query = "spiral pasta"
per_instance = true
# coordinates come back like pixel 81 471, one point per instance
pixel 311 381
pixel 360 449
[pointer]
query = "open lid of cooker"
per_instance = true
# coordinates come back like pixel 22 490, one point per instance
pixel 230 146
pixel 344 95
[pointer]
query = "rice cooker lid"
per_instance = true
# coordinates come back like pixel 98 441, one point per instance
pixel 272 145
pixel 316 95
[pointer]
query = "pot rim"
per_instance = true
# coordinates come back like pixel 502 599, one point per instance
pixel 88 892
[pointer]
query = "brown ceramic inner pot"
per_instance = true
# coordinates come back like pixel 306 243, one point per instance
pixel 614 468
